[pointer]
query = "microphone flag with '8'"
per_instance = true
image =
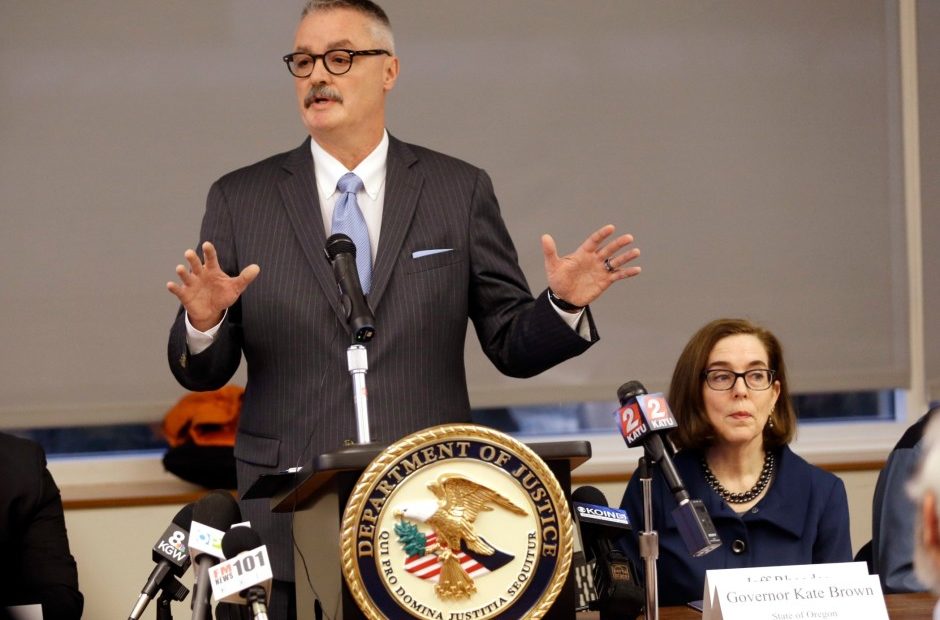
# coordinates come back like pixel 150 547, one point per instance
pixel 172 558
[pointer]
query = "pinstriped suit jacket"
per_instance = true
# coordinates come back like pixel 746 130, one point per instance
pixel 291 328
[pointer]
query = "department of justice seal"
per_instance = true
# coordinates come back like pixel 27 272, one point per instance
pixel 456 522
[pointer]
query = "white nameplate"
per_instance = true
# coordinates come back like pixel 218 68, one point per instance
pixel 24 612
pixel 833 598
pixel 246 569
pixel 715 579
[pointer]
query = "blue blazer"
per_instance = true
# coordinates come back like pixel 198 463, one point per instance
pixel 803 519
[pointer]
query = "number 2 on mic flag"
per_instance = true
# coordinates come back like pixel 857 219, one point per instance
pixel 630 418
pixel 645 413
pixel 656 411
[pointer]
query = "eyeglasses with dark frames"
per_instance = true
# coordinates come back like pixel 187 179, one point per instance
pixel 337 62
pixel 722 379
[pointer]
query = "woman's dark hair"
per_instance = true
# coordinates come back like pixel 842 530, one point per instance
pixel 685 391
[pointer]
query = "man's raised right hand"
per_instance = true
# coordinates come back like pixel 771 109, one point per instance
pixel 207 291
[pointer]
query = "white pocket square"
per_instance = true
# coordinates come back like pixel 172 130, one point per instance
pixel 423 253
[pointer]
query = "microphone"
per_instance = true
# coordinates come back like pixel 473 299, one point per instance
pixel 341 252
pixel 245 577
pixel 618 593
pixel 172 558
pixel 212 515
pixel 642 418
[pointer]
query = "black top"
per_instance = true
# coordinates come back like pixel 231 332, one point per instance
pixel 38 566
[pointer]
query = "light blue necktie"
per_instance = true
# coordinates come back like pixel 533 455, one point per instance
pixel 347 219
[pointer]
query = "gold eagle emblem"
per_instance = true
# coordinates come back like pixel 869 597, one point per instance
pixel 459 502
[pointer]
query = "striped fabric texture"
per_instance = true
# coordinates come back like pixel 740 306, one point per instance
pixel 289 325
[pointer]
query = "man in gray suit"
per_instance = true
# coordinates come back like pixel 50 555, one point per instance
pixel 440 254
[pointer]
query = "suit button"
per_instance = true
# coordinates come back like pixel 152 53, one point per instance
pixel 738 546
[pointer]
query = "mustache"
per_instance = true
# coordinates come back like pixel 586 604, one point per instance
pixel 322 91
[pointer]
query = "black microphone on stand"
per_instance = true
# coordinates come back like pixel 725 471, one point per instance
pixel 643 419
pixel 172 558
pixel 341 252
pixel 212 516
pixel 619 595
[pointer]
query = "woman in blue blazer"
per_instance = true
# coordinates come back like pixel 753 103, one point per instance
pixel 731 401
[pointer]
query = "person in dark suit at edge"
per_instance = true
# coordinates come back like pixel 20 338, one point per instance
pixel 38 567
pixel 893 513
pixel 440 254
pixel 923 490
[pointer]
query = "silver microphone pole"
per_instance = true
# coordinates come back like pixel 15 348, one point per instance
pixel 649 541
pixel 358 361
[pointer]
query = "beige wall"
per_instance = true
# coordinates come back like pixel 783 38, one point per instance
pixel 112 545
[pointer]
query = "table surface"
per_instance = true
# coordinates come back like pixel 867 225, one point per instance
pixel 918 606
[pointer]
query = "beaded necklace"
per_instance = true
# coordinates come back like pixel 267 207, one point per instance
pixel 766 475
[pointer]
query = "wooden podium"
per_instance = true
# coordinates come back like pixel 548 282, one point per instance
pixel 319 498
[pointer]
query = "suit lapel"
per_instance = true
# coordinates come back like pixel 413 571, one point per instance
pixel 402 188
pixel 302 202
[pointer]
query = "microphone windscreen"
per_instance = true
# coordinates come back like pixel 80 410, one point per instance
pixel 630 389
pixel 218 510
pixel 339 244
pixel 588 532
pixel 184 518
pixel 239 539
pixel 589 495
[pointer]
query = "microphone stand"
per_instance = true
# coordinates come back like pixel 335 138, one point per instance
pixel 163 606
pixel 202 609
pixel 172 590
pixel 649 539
pixel 357 360
pixel 257 603
pixel 361 324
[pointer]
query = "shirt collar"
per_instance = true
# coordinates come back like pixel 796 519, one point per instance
pixel 371 170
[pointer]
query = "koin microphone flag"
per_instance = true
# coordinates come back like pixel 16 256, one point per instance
pixel 172 558
pixel 615 582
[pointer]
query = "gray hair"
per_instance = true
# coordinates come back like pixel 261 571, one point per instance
pixel 926 480
pixel 381 26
